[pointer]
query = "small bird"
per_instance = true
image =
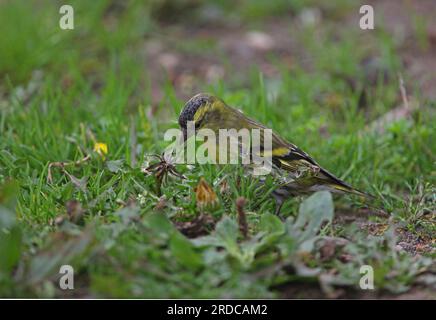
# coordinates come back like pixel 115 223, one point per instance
pixel 299 173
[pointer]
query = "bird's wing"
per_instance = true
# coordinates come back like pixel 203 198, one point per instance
pixel 296 160
pixel 292 159
pixel 285 154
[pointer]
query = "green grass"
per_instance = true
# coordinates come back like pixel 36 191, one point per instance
pixel 62 91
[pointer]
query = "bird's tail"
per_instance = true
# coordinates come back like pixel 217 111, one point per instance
pixel 340 186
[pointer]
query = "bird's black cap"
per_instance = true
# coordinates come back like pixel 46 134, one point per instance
pixel 191 108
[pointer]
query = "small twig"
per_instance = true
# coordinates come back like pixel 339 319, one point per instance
pixel 403 92
pixel 62 165
pixel 91 135
pixel 242 217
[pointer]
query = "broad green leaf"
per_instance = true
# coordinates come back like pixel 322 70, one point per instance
pixel 314 211
pixel 227 231
pixel 225 235
pixel 46 264
pixel 127 214
pixel 8 194
pixel 271 230
pixel 206 241
pixel 10 232
pixel 7 218
pixel 114 165
pixel 271 224
pixel 183 250
pixel 10 241
pixel 160 224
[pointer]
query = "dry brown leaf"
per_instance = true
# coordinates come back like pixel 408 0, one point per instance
pixel 205 196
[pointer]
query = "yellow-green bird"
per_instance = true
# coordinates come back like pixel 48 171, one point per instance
pixel 300 173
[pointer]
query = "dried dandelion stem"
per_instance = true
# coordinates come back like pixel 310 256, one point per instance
pixel 403 92
pixel 242 217
pixel 161 170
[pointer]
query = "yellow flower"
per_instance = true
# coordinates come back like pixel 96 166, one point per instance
pixel 204 195
pixel 101 149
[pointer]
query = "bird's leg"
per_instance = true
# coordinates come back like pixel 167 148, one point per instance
pixel 279 196
pixel 278 208
pixel 279 205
